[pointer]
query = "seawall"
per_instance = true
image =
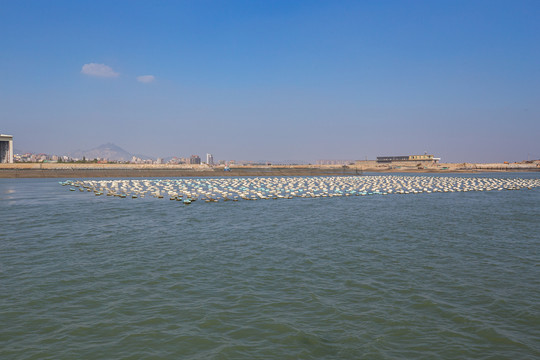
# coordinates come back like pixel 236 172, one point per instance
pixel 62 170
pixel 149 171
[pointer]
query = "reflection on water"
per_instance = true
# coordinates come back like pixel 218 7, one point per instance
pixel 7 193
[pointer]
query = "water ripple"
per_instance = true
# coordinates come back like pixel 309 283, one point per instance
pixel 426 276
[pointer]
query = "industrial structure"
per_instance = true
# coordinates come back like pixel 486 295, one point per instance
pixel 6 148
pixel 414 158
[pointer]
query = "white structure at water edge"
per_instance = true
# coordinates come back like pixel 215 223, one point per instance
pixel 6 148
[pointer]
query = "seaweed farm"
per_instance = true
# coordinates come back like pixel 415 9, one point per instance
pixel 188 190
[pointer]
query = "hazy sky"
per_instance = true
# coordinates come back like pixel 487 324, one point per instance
pixel 276 80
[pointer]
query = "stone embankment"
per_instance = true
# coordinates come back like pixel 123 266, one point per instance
pixel 51 170
pixel 90 170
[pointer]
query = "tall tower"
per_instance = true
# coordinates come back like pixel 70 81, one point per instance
pixel 210 159
pixel 6 148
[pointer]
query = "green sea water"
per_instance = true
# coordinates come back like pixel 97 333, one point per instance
pixel 419 276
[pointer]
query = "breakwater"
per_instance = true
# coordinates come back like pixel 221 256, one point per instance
pixel 63 170
pixel 165 171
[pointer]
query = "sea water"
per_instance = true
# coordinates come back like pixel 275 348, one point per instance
pixel 430 275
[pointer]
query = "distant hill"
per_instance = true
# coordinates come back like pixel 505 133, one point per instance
pixel 106 151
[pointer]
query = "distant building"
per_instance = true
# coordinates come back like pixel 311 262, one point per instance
pixel 425 157
pixel 194 160
pixel 6 148
pixel 174 160
pixel 210 159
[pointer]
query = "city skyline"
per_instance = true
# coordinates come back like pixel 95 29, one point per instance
pixel 113 153
pixel 79 154
pixel 274 80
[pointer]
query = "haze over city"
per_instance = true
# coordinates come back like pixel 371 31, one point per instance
pixel 274 80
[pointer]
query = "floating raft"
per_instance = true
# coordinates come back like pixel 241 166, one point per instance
pixel 259 188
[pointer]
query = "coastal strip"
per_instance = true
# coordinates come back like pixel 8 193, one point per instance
pixel 90 170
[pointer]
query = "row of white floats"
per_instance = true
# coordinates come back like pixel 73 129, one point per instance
pixel 234 189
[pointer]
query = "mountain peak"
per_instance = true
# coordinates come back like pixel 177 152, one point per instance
pixel 110 146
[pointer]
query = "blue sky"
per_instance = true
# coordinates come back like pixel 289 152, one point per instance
pixel 276 80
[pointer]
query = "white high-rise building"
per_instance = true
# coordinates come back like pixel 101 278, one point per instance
pixel 210 159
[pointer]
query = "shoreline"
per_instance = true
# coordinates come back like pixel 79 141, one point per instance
pixel 52 170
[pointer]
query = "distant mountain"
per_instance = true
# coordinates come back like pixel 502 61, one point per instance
pixel 106 151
